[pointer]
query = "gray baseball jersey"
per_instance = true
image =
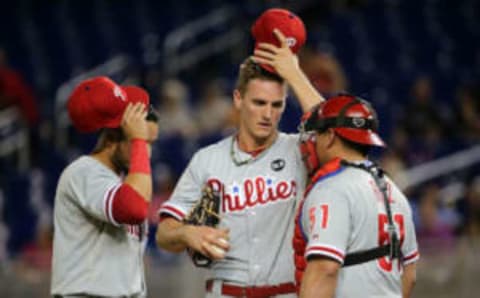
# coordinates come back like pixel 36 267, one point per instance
pixel 258 206
pixel 345 212
pixel 93 254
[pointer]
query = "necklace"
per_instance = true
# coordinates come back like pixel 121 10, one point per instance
pixel 246 161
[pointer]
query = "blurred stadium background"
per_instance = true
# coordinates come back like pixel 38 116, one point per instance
pixel 418 61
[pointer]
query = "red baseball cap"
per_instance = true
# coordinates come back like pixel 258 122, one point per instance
pixel 284 20
pixel 99 103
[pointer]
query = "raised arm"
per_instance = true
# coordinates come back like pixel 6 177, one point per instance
pixel 286 64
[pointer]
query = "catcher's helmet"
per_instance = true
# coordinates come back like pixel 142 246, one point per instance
pixel 351 117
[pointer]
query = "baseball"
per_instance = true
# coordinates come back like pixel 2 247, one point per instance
pixel 219 251
pixel 223 240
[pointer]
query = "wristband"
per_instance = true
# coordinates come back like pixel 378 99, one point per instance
pixel 139 159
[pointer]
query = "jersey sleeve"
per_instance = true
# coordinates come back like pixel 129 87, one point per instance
pixel 326 224
pixel 187 191
pixel 410 247
pixel 94 191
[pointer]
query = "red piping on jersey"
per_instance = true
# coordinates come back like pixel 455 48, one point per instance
pixel 410 257
pixel 172 211
pixel 108 205
pixel 329 169
pixel 326 249
pixel 253 153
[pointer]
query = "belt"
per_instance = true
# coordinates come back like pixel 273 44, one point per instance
pixel 254 291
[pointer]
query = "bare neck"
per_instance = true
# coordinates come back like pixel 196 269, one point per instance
pixel 346 154
pixel 247 143
pixel 104 157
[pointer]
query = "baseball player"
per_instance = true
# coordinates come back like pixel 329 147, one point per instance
pixel 102 199
pixel 354 234
pixel 258 172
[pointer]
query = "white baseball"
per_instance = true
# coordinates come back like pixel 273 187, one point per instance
pixel 218 250
pixel 223 240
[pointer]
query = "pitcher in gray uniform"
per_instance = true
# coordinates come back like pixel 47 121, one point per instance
pixel 260 176
pixel 352 215
pixel 102 199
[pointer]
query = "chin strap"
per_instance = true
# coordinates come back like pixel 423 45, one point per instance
pixel 392 249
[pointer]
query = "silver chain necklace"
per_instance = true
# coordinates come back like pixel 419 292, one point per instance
pixel 249 160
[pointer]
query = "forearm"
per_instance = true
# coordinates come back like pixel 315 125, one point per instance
pixel 409 279
pixel 139 175
pixel 319 279
pixel 306 94
pixel 320 287
pixel 142 183
pixel 170 235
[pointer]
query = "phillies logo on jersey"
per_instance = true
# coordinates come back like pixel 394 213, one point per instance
pixel 252 192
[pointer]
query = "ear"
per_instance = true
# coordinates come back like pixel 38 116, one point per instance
pixel 237 99
pixel 331 137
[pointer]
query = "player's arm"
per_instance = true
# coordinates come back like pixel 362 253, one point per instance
pixel 175 236
pixel 134 125
pixel 130 201
pixel 286 64
pixel 410 252
pixel 409 279
pixel 320 278
pixel 326 222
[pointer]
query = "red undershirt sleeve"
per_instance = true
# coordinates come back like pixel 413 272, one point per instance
pixel 128 206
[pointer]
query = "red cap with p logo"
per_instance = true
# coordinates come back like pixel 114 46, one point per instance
pixel 99 103
pixel 284 20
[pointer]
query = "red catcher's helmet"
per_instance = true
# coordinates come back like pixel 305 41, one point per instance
pixel 351 117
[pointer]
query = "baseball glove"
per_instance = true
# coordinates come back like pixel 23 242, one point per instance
pixel 204 213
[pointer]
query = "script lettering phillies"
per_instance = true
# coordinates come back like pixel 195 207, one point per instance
pixel 252 192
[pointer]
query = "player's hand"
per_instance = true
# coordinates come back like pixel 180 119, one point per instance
pixel 280 58
pixel 134 124
pixel 210 242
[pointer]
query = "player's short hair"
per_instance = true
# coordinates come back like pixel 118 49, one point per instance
pixel 108 136
pixel 249 70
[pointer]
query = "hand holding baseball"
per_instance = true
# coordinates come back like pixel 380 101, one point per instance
pixel 208 241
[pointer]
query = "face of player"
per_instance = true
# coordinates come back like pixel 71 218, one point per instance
pixel 121 155
pixel 323 146
pixel 260 109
